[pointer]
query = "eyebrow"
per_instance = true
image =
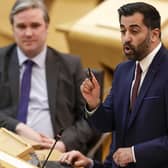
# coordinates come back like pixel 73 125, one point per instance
pixel 132 26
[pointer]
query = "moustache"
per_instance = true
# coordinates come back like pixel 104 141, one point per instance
pixel 128 45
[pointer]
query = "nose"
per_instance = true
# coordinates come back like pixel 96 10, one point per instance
pixel 28 32
pixel 126 37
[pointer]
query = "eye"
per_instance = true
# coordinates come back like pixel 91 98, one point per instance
pixel 21 26
pixel 135 30
pixel 35 25
pixel 122 31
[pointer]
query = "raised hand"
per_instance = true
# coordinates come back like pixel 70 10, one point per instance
pixel 90 90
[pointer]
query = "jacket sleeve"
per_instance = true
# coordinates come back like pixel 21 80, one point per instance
pixel 6 120
pixel 7 107
pixel 79 135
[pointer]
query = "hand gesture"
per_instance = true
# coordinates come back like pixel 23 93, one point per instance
pixel 76 159
pixel 123 156
pixel 90 90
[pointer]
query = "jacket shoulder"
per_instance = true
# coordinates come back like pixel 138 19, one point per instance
pixel 125 65
pixel 6 50
pixel 67 59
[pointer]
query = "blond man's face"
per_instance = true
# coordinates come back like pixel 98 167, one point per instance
pixel 30 31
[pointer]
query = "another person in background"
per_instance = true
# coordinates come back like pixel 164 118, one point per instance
pixel 52 101
pixel 136 108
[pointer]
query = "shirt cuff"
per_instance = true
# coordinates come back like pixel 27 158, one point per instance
pixel 133 154
pixel 89 113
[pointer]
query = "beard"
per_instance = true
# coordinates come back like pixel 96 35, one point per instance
pixel 138 52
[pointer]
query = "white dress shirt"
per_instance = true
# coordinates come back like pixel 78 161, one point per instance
pixel 38 109
pixel 145 63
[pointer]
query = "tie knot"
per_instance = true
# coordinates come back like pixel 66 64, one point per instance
pixel 139 70
pixel 29 63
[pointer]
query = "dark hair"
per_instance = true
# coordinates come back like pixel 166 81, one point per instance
pixel 21 5
pixel 150 13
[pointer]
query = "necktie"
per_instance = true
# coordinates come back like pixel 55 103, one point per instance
pixel 25 91
pixel 136 85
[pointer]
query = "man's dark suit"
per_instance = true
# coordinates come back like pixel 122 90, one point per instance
pixel 146 126
pixel 64 75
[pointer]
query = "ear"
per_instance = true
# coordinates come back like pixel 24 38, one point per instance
pixel 155 35
pixel 47 27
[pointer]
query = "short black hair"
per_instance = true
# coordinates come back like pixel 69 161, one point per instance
pixel 151 15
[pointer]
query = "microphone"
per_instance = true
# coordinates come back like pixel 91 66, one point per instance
pixel 52 148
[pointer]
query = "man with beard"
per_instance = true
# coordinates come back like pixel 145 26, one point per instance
pixel 136 108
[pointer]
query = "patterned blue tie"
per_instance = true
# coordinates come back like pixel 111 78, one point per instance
pixel 25 92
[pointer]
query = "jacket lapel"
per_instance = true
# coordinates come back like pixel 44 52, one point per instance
pixel 52 76
pixel 127 83
pixel 147 83
pixel 14 76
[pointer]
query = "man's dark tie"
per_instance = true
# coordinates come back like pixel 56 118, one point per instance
pixel 25 92
pixel 136 85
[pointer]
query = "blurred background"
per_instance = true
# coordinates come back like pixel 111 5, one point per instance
pixel 88 29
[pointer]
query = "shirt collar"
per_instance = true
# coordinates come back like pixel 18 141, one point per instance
pixel 38 59
pixel 145 63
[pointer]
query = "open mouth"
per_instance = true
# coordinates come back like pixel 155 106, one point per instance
pixel 128 49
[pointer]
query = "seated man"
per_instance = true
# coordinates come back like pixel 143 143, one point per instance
pixel 39 86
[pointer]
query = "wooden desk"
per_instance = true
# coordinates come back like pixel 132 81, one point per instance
pixel 19 149
pixel 9 161
pixel 13 144
pixel 42 154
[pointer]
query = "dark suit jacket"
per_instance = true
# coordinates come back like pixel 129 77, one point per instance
pixel 64 75
pixel 146 126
